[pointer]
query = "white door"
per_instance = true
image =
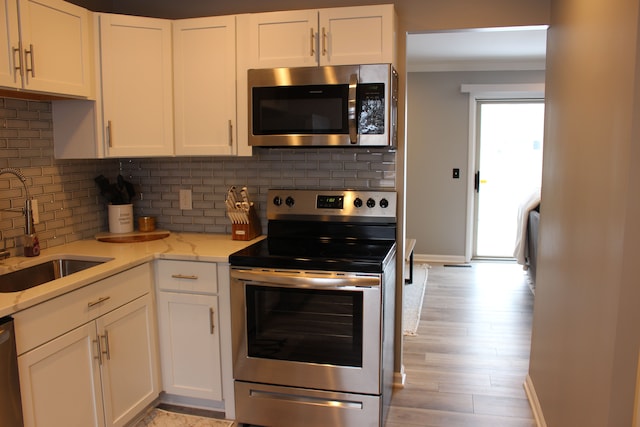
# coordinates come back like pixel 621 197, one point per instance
pixel 129 362
pixel 190 345
pixel 9 39
pixel 204 85
pixel 509 164
pixel 137 86
pixel 356 35
pixel 60 381
pixel 55 47
pixel 283 39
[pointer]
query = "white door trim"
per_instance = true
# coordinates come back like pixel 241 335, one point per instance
pixel 479 92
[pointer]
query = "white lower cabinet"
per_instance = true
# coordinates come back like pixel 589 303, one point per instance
pixel 190 351
pixel 104 371
pixel 194 331
pixel 60 381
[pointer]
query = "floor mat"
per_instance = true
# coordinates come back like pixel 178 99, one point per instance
pixel 161 418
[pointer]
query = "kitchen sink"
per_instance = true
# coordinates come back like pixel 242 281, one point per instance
pixel 46 271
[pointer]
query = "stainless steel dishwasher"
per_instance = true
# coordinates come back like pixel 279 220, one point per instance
pixel 10 402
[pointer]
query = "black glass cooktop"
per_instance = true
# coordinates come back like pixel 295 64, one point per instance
pixel 321 245
pixel 316 254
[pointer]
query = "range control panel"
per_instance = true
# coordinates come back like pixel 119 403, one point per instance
pixel 333 204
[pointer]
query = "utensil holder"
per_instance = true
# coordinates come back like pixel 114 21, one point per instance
pixel 247 231
pixel 120 218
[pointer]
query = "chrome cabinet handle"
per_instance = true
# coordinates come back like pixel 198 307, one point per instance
pixel 184 276
pixel 98 301
pixel 212 325
pixel 313 42
pixel 30 52
pixel 98 356
pixel 110 133
pixel 17 62
pixel 324 41
pixel 107 349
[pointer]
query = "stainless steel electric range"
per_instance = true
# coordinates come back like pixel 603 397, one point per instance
pixel 313 311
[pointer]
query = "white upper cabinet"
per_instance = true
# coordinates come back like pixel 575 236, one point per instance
pixel 204 66
pixel 335 36
pixel 137 98
pixel 283 39
pixel 45 47
pixel 9 40
pixel 357 35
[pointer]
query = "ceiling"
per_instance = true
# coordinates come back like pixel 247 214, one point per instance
pixel 513 48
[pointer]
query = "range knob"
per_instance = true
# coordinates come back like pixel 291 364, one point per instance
pixel 357 202
pixel 371 203
pixel 289 201
pixel 384 203
pixel 277 201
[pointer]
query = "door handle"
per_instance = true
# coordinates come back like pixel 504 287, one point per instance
pixel 476 185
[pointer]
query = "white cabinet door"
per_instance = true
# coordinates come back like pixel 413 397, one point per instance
pixel 334 36
pixel 60 381
pixel 136 85
pixel 204 65
pixel 190 345
pixel 284 39
pixel 9 44
pixel 129 360
pixel 357 35
pixel 55 47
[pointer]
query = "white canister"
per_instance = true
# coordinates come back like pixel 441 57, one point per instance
pixel 121 218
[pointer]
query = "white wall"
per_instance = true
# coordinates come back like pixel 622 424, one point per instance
pixel 437 142
pixel 586 332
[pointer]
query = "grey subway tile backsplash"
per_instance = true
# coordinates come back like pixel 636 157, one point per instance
pixel 71 207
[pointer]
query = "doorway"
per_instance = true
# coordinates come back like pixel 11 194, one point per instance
pixel 508 170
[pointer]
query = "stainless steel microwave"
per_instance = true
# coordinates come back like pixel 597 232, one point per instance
pixel 347 105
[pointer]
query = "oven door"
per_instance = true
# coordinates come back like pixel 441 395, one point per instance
pixel 316 330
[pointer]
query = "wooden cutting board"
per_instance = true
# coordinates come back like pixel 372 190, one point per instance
pixel 133 237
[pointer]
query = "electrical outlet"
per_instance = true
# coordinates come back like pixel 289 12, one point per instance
pixel 185 200
pixel 456 173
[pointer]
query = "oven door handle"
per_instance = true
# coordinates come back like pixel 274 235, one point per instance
pixel 301 280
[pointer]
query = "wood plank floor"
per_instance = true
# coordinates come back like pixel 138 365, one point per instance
pixel 467 365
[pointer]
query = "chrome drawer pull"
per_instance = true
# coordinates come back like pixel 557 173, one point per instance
pixel 98 301
pixel 184 276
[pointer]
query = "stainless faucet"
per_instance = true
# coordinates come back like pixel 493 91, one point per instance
pixel 31 244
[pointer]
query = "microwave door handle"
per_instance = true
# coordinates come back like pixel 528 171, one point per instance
pixel 353 124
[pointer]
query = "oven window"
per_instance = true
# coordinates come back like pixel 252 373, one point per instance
pixel 319 109
pixel 305 325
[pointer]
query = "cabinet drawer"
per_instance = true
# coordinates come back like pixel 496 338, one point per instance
pixel 41 323
pixel 187 276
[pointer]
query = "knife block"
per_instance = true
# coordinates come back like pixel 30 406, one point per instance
pixel 247 231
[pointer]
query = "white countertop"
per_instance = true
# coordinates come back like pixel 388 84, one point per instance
pixel 177 246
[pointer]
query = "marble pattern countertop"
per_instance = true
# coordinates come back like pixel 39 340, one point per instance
pixel 121 256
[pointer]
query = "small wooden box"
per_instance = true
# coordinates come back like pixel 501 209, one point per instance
pixel 247 231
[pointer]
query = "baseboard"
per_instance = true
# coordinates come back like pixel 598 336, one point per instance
pixel 439 259
pixel 534 402
pixel 399 378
